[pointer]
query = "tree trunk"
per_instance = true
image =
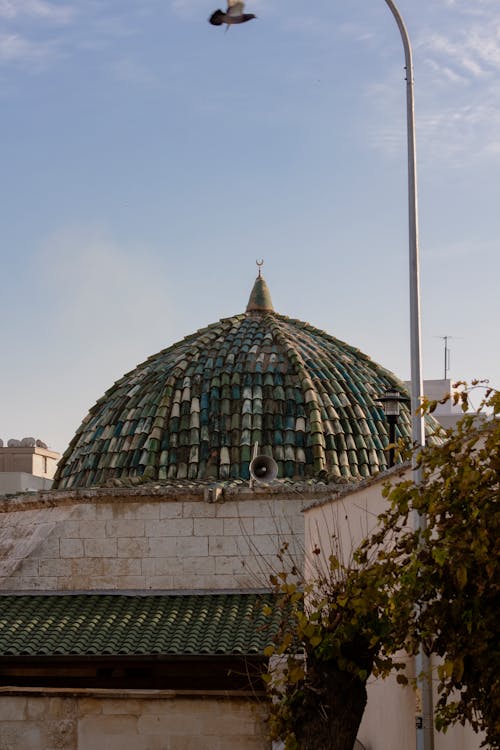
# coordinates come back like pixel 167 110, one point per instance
pixel 331 711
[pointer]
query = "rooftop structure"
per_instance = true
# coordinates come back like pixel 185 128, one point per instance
pixel 26 465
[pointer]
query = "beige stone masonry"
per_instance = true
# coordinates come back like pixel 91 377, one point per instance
pixel 32 719
pixel 155 539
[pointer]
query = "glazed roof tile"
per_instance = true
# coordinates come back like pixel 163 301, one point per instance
pixel 195 410
pixel 112 625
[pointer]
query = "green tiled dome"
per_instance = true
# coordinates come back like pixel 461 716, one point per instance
pixel 195 410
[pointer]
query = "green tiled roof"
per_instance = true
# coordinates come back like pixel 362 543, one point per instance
pixel 195 410
pixel 115 625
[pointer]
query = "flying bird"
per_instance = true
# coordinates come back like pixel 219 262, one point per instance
pixel 233 14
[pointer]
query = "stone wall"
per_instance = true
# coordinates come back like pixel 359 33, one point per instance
pixel 125 542
pixel 142 720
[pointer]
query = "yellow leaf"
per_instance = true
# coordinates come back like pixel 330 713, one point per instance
pixel 295 674
pixel 461 574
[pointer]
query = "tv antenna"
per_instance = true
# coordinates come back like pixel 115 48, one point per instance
pixel 446 352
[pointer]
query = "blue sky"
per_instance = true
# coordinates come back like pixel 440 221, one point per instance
pixel 148 159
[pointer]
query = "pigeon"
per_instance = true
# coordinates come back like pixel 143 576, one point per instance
pixel 233 14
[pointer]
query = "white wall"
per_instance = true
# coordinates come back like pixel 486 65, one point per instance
pixel 12 482
pixel 339 525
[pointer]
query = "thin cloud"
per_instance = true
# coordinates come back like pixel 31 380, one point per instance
pixel 473 54
pixel 13 9
pixel 457 131
pixel 15 48
pixel 457 95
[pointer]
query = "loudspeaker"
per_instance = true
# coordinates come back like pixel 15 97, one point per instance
pixel 263 468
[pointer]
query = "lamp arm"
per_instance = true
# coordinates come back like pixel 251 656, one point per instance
pixel 418 432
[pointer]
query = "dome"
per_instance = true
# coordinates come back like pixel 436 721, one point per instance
pixel 195 410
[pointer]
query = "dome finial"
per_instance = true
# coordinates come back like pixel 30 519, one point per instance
pixel 260 297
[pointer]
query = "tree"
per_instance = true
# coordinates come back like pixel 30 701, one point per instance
pixel 336 631
pixel 436 586
pixel 451 567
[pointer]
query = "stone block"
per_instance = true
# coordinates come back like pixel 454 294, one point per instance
pixel 132 547
pixel 171 722
pixel 208 527
pixel 49 548
pixel 257 508
pixel 60 735
pixel 269 525
pixel 203 582
pixel 125 528
pixel 13 708
pixel 160 583
pixel 27 568
pixel 192 547
pixel 88 583
pixel 90 529
pixel 223 545
pixel 90 706
pixel 122 706
pixel 100 547
pixel 71 548
pixel 147 566
pixel 53 567
pixel 130 566
pixel 39 583
pixel 162 547
pixel 61 708
pixel 260 567
pixel 201 565
pixel 229 565
pixel 171 510
pixel 110 732
pixel 72 529
pixel 136 510
pixel 104 511
pixel 26 735
pixel 199 509
pixel 170 527
pixel 266 544
pixel 238 526
pixel 85 511
pixel 76 583
pixel 132 583
pixel 167 566
pixel 36 708
pixel 85 566
pixel 229 509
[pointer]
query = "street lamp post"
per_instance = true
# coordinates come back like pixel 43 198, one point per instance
pixel 424 719
pixel 391 401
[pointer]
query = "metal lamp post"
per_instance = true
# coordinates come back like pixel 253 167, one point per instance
pixel 424 729
pixel 391 401
pixel 418 434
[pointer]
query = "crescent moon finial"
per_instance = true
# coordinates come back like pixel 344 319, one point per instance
pixel 259 263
